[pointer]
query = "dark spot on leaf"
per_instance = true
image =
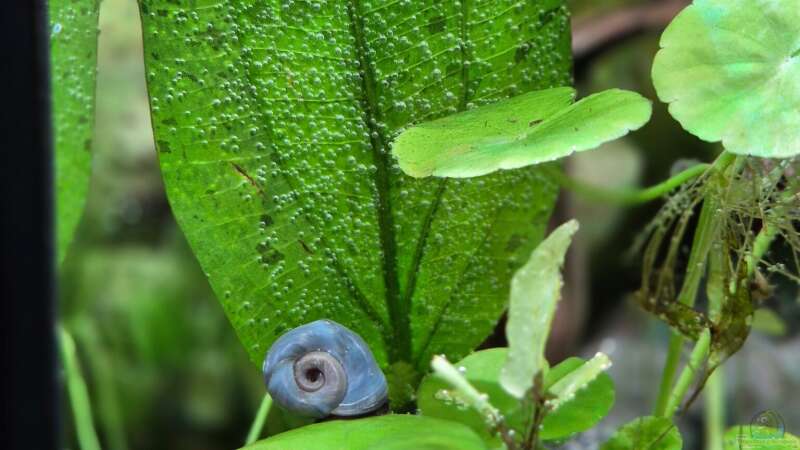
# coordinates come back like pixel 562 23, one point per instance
pixel 170 121
pixel 533 123
pixel 162 12
pixel 305 247
pixel 163 147
pixel 269 255
pixel 521 53
pixel 266 219
pixel 87 145
pixel 82 119
pixel 514 242
pixel 436 25
pixel 453 68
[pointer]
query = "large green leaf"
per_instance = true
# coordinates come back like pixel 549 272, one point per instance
pixel 529 129
pixel 482 370
pixel 273 122
pixel 730 70
pixel 396 432
pixel 535 292
pixel 73 58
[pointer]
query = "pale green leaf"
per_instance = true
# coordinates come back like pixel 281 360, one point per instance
pixel 757 437
pixel 532 128
pixel 73 58
pixel 730 70
pixel 535 292
pixel 482 370
pixel 651 433
pixel 396 432
pixel 273 126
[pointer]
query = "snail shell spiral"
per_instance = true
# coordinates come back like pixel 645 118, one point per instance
pixel 323 368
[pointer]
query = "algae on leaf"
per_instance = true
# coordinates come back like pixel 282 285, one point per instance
pixel 273 122
pixel 73 58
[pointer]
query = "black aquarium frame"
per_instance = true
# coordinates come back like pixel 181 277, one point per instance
pixel 27 274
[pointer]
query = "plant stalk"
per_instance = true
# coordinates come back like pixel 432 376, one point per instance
pixel 706 229
pixel 259 421
pixel 627 196
pixel 78 393
pixel 699 354
pixel 715 385
pixel 715 410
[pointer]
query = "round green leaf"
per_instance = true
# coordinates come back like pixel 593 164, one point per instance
pixel 652 433
pixel 754 437
pixel 395 432
pixel 482 369
pixel 730 70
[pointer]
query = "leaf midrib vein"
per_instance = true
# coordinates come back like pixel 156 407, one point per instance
pixel 400 348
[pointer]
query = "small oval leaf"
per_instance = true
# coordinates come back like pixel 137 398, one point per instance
pixel 529 129
pixel 652 433
pixel 482 370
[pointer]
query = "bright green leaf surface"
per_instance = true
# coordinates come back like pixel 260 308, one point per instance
pixel 482 370
pixel 73 57
pixel 651 433
pixel 273 122
pixel 730 70
pixel 755 437
pixel 529 129
pixel 395 432
pixel 535 292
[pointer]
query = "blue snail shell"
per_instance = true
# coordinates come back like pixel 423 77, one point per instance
pixel 323 368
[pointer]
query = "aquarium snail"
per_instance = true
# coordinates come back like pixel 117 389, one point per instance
pixel 323 368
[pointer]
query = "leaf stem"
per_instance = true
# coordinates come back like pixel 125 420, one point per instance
pixel 78 393
pixel 760 246
pixel 699 353
pixel 626 196
pixel 715 410
pixel 715 385
pixel 259 421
